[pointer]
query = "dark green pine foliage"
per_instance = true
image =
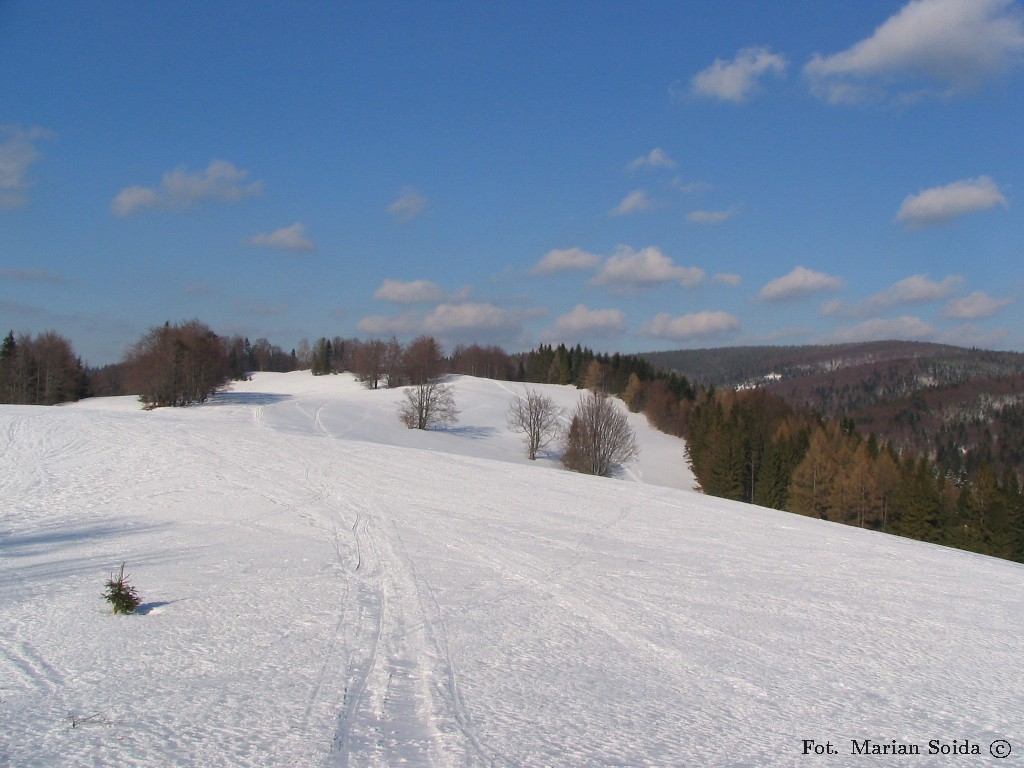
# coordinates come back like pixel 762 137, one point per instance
pixel 322 355
pixel 917 504
pixel 781 457
pixel 120 594
pixel 1006 524
pixel 8 362
pixel 9 348
pixel 726 464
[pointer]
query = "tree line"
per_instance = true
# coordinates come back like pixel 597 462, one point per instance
pixel 40 370
pixel 746 445
pixel 754 447
pixel 170 365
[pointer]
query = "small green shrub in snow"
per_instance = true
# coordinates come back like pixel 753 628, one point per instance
pixel 121 594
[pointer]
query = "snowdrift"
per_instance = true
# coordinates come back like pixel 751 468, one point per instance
pixel 322 587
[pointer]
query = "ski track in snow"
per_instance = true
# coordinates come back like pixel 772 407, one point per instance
pixel 323 587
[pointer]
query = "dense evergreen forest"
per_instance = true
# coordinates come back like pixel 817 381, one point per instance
pixel 747 443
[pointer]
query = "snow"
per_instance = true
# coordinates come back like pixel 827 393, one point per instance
pixel 323 587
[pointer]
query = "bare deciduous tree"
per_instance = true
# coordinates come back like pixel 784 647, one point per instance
pixel 599 437
pixel 368 362
pixel 393 363
pixel 423 359
pixel 40 371
pixel 177 364
pixel 428 405
pixel 535 416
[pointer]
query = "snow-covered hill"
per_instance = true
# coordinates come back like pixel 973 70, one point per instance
pixel 323 587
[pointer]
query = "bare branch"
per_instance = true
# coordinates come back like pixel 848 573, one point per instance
pixel 537 417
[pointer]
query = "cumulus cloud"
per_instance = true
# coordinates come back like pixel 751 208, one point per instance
pixel 17 152
pixel 690 326
pixel 291 238
pixel 636 201
pixel 410 292
pixel 727 278
pixel 448 319
pixel 709 217
pixel 628 270
pixel 738 79
pixel 915 289
pixel 585 323
pixel 930 47
pixel 656 158
pixel 904 328
pixel 180 189
pixel 563 259
pixel 390 325
pixel 408 206
pixel 799 282
pixel 941 204
pixel 452 323
pixel 974 306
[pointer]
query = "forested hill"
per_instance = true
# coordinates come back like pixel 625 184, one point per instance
pixel 963 408
pixel 892 367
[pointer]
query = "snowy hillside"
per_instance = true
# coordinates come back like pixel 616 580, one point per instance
pixel 323 587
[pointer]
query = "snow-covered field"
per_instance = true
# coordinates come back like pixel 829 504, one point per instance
pixel 323 587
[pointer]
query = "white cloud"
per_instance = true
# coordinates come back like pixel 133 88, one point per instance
pixel 408 206
pixel 562 259
pixel 181 189
pixel 976 305
pixel 134 198
pixel 930 47
pixel 628 270
pixel 799 282
pixel 915 289
pixel 709 217
pixel 738 79
pixel 584 323
pixel 727 278
pixel 448 319
pixel 689 326
pixel 17 152
pixel 291 238
pixel 411 292
pixel 452 323
pixel 941 204
pixel 636 201
pixel 656 158
pixel 389 325
pixel 904 328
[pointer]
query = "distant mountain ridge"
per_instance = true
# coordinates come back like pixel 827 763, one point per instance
pixel 737 366
pixel 959 406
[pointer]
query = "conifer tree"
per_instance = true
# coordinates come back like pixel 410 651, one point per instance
pixel 120 594
pixel 916 502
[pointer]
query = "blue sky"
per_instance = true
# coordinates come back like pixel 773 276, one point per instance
pixel 628 176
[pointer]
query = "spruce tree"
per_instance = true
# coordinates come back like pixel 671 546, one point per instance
pixel 121 594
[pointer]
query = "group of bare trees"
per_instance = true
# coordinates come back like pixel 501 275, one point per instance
pixel 40 371
pixel 597 440
pixel 177 365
